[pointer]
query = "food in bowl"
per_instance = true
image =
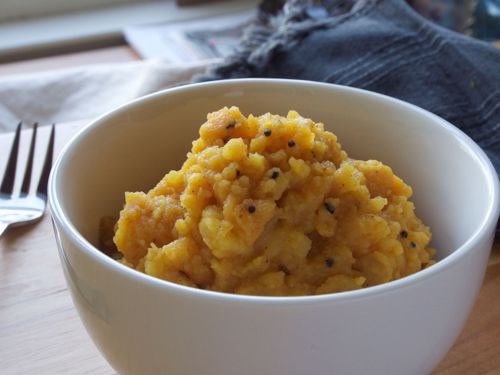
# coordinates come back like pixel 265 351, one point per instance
pixel 143 325
pixel 273 206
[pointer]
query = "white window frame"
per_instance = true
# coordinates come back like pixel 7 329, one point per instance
pixel 13 10
pixel 93 28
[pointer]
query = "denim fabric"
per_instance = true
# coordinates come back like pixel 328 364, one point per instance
pixel 382 46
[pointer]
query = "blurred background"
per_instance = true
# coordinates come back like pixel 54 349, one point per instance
pixel 38 28
pixel 478 18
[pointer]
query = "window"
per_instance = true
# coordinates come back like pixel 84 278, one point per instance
pixel 11 10
pixel 33 28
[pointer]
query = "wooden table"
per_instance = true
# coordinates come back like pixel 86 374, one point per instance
pixel 71 60
pixel 40 332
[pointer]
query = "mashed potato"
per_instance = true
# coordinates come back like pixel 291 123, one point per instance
pixel 272 205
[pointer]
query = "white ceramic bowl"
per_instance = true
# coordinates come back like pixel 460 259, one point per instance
pixel 145 326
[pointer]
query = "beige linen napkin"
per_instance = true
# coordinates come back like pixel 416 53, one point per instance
pixel 85 92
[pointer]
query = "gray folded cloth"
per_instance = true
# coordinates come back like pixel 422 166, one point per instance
pixel 382 46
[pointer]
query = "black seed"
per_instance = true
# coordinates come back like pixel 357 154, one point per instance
pixel 238 173
pixel 329 262
pixel 413 244
pixel 251 209
pixel 403 234
pixel 291 143
pixel 330 208
pixel 267 132
pixel 231 125
pixel 275 175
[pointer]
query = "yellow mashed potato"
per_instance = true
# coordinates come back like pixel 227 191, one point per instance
pixel 273 206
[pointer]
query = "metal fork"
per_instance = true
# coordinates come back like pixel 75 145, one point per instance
pixel 24 208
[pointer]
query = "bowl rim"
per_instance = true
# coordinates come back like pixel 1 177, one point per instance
pixel 485 228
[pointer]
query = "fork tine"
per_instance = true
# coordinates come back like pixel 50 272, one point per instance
pixel 29 166
pixel 47 165
pixel 10 171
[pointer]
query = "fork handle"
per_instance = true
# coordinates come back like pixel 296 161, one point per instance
pixel 3 227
